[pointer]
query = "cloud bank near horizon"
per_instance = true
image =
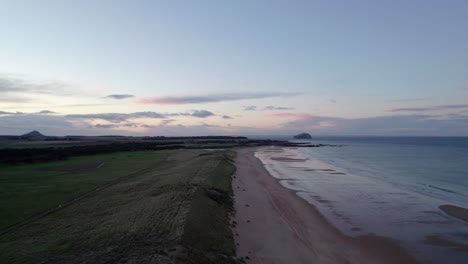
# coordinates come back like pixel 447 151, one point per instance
pixel 393 125
pixel 289 124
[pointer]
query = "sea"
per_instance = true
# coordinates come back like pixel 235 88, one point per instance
pixel 384 186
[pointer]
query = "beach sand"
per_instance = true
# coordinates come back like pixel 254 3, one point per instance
pixel 274 225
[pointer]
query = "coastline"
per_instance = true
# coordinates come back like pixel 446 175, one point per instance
pixel 274 225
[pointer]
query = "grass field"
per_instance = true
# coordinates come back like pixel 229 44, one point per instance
pixel 176 210
pixel 26 190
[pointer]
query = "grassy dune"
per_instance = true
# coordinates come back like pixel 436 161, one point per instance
pixel 175 211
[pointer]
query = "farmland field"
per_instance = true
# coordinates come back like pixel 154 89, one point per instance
pixel 162 207
pixel 32 188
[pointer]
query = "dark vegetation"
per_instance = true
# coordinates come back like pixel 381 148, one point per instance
pixel 168 206
pixel 27 154
pixel 29 190
pixel 34 155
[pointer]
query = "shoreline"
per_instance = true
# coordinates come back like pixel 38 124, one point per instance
pixel 274 225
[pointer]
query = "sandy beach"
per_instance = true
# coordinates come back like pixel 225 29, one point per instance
pixel 274 225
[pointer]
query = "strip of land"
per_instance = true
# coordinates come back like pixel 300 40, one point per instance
pixel 176 209
pixel 18 150
pixel 274 225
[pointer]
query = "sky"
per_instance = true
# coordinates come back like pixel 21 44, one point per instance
pixel 175 68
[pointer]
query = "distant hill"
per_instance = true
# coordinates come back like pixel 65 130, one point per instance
pixel 303 136
pixel 33 134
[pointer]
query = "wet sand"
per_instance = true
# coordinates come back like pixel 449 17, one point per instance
pixel 274 225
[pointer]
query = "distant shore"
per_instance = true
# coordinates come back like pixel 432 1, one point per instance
pixel 19 150
pixel 274 225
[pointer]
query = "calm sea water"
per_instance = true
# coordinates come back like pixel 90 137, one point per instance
pixel 387 186
pixel 434 166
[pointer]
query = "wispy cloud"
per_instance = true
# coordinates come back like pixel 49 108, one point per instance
pixel 210 98
pixel 227 117
pixel 118 117
pixel 411 109
pixel 118 96
pixel 274 108
pixel 24 89
pixel 15 85
pixel 104 126
pixel 291 116
pixel 460 106
pixel 121 117
pixel 429 108
pixel 266 108
pixel 250 108
pixel 112 126
pixel 202 113
pixel 46 112
pixel 166 122
pixel 9 98
pixel 84 105
pixel 43 112
pixel 408 99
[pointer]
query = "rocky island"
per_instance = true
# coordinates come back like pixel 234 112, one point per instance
pixel 303 136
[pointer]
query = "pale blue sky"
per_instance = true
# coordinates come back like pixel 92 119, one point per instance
pixel 340 59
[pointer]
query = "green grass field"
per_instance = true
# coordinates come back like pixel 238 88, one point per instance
pixel 29 189
pixel 176 210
